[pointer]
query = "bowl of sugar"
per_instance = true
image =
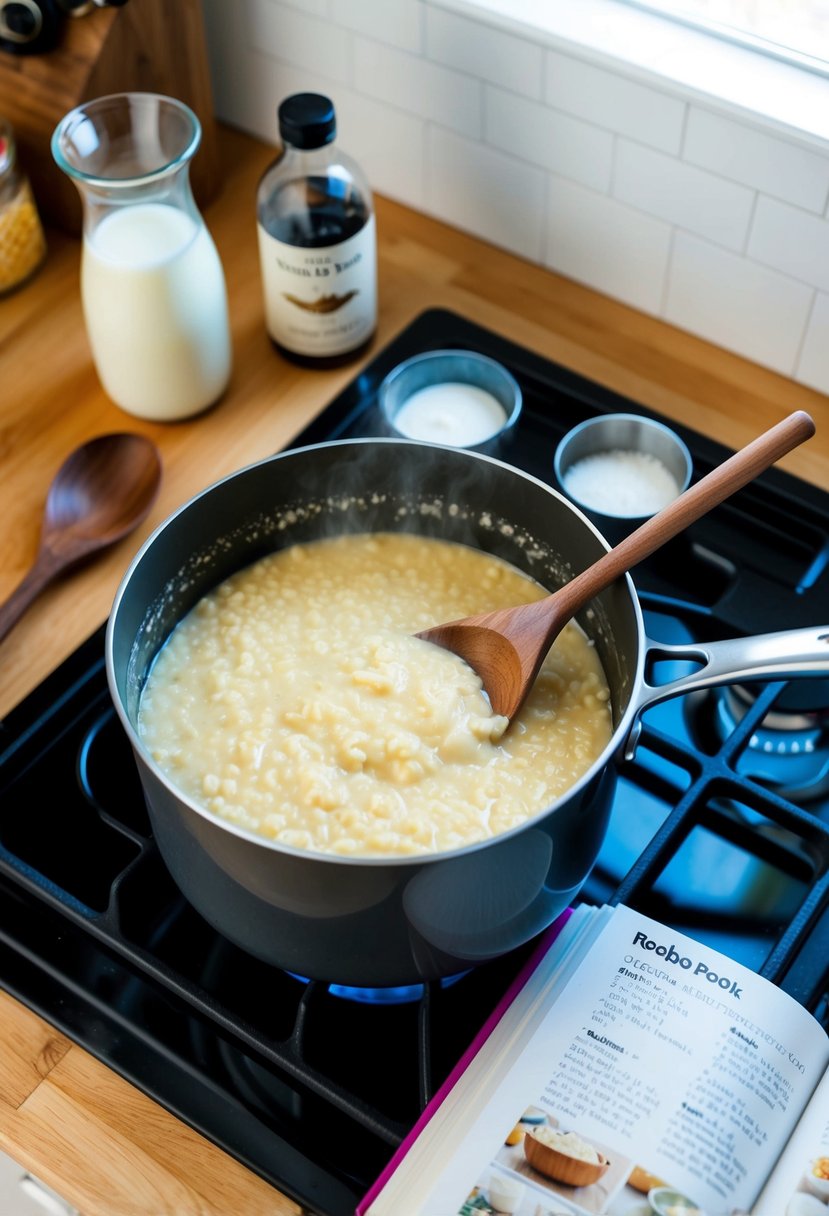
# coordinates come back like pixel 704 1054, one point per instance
pixel 455 398
pixel 619 469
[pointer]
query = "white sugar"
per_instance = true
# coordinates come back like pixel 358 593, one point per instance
pixel 621 483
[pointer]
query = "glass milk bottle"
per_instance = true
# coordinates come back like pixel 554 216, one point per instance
pixel 152 284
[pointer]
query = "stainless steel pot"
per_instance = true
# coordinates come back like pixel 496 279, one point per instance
pixel 400 920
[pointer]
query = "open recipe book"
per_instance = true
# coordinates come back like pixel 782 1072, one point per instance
pixel 629 1071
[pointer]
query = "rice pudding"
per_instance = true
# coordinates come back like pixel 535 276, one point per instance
pixel 295 702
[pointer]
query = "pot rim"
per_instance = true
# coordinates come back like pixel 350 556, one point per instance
pixel 616 742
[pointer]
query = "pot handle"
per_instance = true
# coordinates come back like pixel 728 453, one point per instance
pixel 783 655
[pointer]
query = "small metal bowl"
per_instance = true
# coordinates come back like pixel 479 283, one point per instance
pixel 629 467
pixel 464 400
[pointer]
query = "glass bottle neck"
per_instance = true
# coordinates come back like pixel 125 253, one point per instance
pixel 127 150
pixel 171 190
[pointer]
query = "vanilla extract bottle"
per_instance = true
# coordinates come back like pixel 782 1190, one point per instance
pixel 317 240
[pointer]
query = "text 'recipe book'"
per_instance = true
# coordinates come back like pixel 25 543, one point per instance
pixel 629 1071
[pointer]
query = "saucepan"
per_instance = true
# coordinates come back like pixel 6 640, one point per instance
pixel 389 921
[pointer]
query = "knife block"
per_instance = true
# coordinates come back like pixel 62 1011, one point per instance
pixel 152 46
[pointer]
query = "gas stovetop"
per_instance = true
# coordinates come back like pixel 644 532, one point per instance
pixel 720 829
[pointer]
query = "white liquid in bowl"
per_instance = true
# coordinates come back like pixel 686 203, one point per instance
pixel 156 311
pixel 456 414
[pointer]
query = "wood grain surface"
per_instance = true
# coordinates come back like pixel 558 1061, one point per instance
pixel 90 1135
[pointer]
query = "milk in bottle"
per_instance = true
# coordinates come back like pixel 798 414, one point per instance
pixel 152 284
pixel 156 312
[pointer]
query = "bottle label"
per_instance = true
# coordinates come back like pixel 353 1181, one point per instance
pixel 320 301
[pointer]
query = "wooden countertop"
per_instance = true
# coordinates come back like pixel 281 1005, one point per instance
pixel 97 1141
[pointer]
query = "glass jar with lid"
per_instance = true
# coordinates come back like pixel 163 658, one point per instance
pixel 22 243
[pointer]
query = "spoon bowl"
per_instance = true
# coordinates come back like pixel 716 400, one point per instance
pixel 100 493
pixel 507 647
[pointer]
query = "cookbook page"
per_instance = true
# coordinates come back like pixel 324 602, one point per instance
pixel 662 1063
pixel 799 1185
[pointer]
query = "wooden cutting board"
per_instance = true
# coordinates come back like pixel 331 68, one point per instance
pixel 145 46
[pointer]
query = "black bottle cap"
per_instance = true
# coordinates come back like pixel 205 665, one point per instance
pixel 307 120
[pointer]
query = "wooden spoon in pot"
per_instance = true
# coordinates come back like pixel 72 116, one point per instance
pixel 507 647
pixel 99 494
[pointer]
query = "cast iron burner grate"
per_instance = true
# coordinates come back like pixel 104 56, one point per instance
pixel 96 938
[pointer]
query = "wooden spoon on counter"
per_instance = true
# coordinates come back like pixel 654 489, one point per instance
pixel 101 492
pixel 507 647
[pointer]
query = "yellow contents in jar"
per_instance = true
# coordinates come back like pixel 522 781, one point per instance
pixel 295 702
pixel 22 243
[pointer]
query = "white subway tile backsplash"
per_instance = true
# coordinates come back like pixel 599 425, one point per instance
pixel 737 304
pixel 250 94
pixel 515 125
pixel 397 22
pixel 426 90
pixel 792 241
pixel 548 138
pixel 668 54
pixel 612 101
pixel 603 243
pixel 387 144
pixel 305 41
pixel 813 366
pixel 682 194
pixel 785 170
pixel 485 192
pixel 484 52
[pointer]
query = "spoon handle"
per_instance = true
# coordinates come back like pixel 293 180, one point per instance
pixel 708 492
pixel 28 589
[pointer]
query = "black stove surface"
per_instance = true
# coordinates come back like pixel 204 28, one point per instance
pixel 720 829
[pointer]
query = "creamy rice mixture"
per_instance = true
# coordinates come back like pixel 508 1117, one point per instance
pixel 569 1143
pixel 294 701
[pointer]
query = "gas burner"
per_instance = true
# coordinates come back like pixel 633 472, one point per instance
pixel 788 749
pixel 405 994
pixel 378 996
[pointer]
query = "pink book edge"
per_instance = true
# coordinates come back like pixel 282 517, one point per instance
pixel 548 936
